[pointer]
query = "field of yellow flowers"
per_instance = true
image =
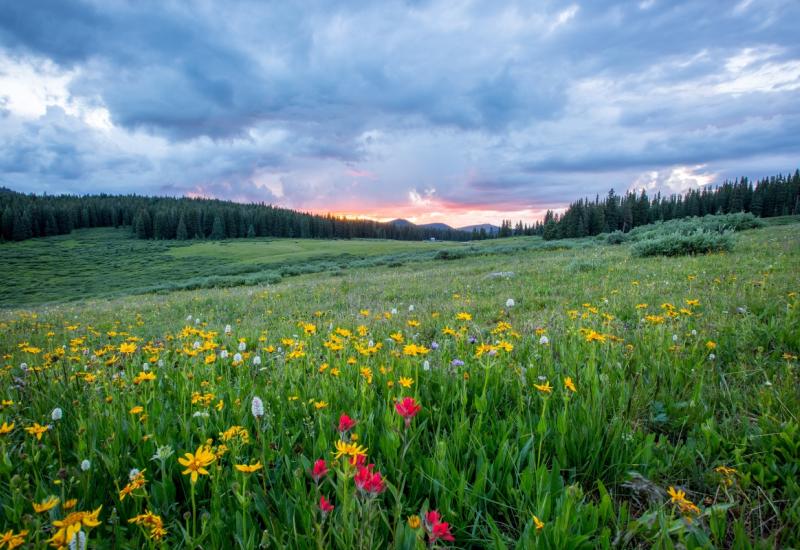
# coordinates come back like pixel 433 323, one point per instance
pixel 567 399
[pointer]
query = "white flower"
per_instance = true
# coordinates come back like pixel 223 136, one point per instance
pixel 85 465
pixel 200 414
pixel 426 365
pixel 394 311
pixel 133 473
pixel 197 321
pixel 694 332
pixel 711 356
pixel 196 344
pixel 78 541
pixel 510 302
pixel 237 358
pixel 146 366
pixel 257 360
pixel 223 354
pixel 56 414
pixel 371 343
pixel 411 307
pixel 23 367
pixel 257 407
pixel 163 453
pixel 188 317
pixel 242 346
pixel 228 329
pixel 544 340
pixel 160 362
pixel 674 337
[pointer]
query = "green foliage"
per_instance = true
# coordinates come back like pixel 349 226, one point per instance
pixel 678 244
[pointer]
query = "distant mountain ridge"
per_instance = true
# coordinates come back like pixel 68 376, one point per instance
pixel 489 228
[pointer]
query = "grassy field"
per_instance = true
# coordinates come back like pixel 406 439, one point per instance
pixel 110 262
pixel 618 402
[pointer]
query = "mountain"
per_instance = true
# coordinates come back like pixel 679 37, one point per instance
pixel 489 228
pixel 400 223
pixel 440 226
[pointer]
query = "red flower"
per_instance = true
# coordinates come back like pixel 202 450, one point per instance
pixel 324 505
pixel 368 481
pixel 358 460
pixel 437 529
pixel 320 470
pixel 408 409
pixel 346 423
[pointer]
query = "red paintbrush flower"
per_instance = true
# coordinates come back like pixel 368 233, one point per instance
pixel 346 423
pixel 368 481
pixel 325 505
pixel 408 409
pixel 437 529
pixel 319 470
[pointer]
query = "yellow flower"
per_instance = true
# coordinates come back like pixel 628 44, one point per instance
pixel 463 316
pixel 414 522
pixel 210 358
pixel 70 504
pixel 46 505
pixel 352 450
pixel 320 404
pixel 538 523
pixel 138 409
pixel 569 384
pixel 544 388
pixel 693 303
pixel 248 468
pixel 37 430
pixel 6 428
pixel 406 382
pixel 144 376
pixel 711 344
pixel 71 525
pixel 11 541
pixel 136 483
pixel 196 463
pixel 397 337
pixel 127 347
pixel 149 519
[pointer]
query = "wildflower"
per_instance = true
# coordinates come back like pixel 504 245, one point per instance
pixel 37 430
pixel 85 465
pixel 711 345
pixel 138 409
pixel 319 470
pixel 426 366
pixel 57 414
pixel 463 316
pixel 437 529
pixel 144 376
pixel 237 358
pixel 408 409
pixel 228 329
pixel 456 363
pixel 70 527
pixel 538 523
pixel 325 506
pixel 257 407
pixel 406 382
pixel 46 505
pixel 686 506
pixel 11 541
pixel 242 346
pixel 196 463
pixel 6 428
pixel 223 354
pixel 352 450
pixel 569 384
pixel 248 468
pixel 414 522
pixel 320 404
pixel 137 481
pixel 345 424
pixel 369 481
pixel 510 303
pixel 127 347
pixel 544 388
pixel 257 360
pixel 152 522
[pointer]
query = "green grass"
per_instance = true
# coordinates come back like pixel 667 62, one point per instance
pixel 668 390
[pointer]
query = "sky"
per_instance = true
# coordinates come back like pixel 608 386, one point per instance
pixel 436 111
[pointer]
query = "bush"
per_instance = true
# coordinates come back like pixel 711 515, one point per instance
pixel 452 254
pixel 677 244
pixel 617 237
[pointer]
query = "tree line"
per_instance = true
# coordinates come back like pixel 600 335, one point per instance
pixel 768 197
pixel 25 216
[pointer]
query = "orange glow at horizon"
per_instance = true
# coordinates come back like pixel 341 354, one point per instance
pixel 451 216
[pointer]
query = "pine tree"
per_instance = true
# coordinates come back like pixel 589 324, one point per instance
pixel 217 229
pixel 181 233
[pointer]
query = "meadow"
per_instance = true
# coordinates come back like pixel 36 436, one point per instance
pixel 516 394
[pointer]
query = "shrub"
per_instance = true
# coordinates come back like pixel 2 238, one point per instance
pixel 677 244
pixel 451 254
pixel 617 237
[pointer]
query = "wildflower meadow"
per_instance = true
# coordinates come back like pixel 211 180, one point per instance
pixel 573 398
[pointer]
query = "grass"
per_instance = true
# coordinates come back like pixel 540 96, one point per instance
pixel 683 368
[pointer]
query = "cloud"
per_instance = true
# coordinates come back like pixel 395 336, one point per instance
pixel 498 107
